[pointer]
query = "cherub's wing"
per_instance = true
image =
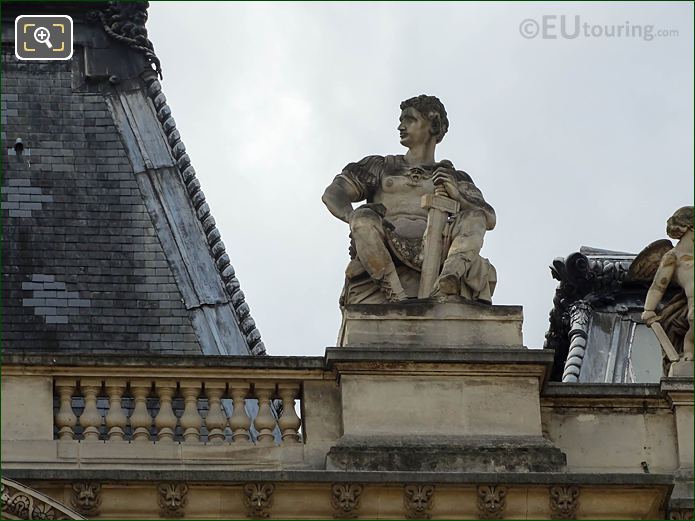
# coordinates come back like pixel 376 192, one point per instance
pixel 644 267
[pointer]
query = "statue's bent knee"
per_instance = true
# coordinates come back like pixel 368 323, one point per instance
pixel 365 220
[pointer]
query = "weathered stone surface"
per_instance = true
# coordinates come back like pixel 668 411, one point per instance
pixel 445 454
pixel 422 227
pixel 432 323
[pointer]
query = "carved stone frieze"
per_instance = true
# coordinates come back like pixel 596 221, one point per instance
pixel 492 501
pixel 418 501
pixel 564 500
pixel 258 498
pixel 86 497
pixel 345 500
pixel 172 499
pixel 21 502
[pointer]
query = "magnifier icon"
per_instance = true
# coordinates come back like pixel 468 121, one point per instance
pixel 42 35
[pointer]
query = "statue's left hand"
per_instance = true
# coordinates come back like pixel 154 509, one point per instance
pixel 445 178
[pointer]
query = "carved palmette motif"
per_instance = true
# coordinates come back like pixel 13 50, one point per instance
pixel 258 498
pixel 86 497
pixel 345 500
pixel 172 499
pixel 20 502
pixel 418 501
pixel 564 501
pixel 681 514
pixel 491 501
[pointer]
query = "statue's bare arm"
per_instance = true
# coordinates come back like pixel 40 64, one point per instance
pixel 659 285
pixel 339 196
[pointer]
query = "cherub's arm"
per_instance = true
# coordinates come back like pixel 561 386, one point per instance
pixel 662 278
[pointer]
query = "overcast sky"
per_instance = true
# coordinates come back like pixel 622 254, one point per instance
pixel 574 141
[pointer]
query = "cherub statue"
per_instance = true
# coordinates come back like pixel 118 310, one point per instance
pixel 387 233
pixel 675 265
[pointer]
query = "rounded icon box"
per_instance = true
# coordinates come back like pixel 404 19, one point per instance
pixel 43 37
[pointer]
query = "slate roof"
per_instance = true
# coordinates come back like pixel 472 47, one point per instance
pixel 595 326
pixel 108 243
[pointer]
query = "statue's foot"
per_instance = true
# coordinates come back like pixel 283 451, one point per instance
pixel 392 288
pixel 448 285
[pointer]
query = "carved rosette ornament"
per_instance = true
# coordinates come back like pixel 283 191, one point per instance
pixel 345 500
pixel 21 502
pixel 258 498
pixel 418 501
pixel 86 497
pixel 564 501
pixel 172 499
pixel 681 514
pixel 492 501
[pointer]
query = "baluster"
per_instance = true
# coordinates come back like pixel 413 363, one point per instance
pixel 166 419
pixel 265 421
pixel 216 420
pixel 116 418
pixel 191 422
pixel 289 422
pixel 90 418
pixel 239 421
pixel 65 419
pixel 140 420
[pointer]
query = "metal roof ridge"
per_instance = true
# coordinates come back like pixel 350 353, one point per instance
pixel 202 209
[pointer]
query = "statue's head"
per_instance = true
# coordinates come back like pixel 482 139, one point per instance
pixel 422 118
pixel 680 222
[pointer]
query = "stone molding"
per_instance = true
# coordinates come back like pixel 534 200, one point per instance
pixel 383 499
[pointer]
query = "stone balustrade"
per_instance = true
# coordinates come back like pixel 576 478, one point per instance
pixel 190 410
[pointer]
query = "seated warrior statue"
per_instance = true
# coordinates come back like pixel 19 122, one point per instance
pixel 387 231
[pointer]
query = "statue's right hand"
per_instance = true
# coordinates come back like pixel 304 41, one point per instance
pixel 650 317
pixel 377 208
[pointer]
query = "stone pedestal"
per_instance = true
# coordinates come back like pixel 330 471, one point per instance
pixel 422 408
pixel 679 392
pixel 681 369
pixel 450 323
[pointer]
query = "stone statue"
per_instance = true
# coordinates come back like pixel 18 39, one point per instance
pixel 674 323
pixel 422 220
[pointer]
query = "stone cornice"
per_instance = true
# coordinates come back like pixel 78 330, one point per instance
pixel 323 476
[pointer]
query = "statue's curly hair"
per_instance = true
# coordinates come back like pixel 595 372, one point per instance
pixel 432 109
pixel 680 222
